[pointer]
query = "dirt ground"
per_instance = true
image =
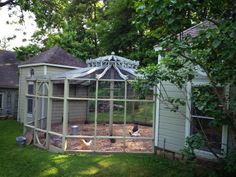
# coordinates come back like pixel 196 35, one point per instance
pixel 105 145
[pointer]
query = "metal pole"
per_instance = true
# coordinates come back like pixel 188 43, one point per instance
pixel 96 116
pixel 125 115
pixel 111 104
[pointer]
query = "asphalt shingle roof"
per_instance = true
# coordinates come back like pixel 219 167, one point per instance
pixel 194 30
pixel 8 69
pixel 56 55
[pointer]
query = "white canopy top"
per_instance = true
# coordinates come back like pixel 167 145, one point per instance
pixel 101 65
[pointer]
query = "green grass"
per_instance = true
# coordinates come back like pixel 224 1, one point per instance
pixel 33 162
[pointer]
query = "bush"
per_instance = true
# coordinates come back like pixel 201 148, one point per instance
pixel 230 163
pixel 192 142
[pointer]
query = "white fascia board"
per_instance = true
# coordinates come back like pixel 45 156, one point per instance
pixel 120 74
pixel 47 64
pixel 131 71
pixel 99 76
pixel 84 73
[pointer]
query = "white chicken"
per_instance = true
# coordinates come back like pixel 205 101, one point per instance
pixel 85 144
pixel 135 131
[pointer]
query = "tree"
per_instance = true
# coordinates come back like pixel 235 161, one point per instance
pixel 3 43
pixel 7 2
pixel 212 50
pixel 89 28
pixel 118 33
pixel 24 53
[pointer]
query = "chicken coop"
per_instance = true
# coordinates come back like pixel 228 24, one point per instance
pixel 92 109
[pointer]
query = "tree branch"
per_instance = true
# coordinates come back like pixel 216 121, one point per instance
pixel 6 3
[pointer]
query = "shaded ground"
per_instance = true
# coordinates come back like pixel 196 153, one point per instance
pixel 30 161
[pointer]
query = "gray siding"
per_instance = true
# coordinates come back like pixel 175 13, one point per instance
pixel 38 71
pixel 57 70
pixel 77 109
pixel 171 124
pixel 57 111
pixel 23 87
pixel 9 102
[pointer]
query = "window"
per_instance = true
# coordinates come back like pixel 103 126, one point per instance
pixel 1 100
pixel 29 98
pixel 203 120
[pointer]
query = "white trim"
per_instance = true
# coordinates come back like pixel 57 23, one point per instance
pixel 203 117
pixel 121 75
pixel 157 109
pixel 47 64
pixel 224 139
pixel 157 114
pixel 99 76
pixel 112 59
pixel 205 154
pixel 45 70
pixel 188 110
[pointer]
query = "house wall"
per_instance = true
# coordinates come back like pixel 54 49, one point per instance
pixel 9 102
pixel 23 88
pixel 38 71
pixel 174 127
pixel 171 125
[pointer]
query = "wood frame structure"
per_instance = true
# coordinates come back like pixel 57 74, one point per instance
pixel 125 73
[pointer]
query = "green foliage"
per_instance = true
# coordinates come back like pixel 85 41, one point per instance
pixel 212 49
pixel 207 103
pixel 48 14
pixel 68 41
pixel 117 32
pixel 90 28
pixel 193 142
pixel 24 53
pixel 229 163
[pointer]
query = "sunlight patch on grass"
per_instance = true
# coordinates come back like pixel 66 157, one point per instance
pixel 60 159
pixel 90 171
pixel 105 163
pixel 50 171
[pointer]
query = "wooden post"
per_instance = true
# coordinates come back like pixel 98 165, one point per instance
pixel 65 114
pixel 25 108
pixel 36 110
pixel 49 113
pixel 42 114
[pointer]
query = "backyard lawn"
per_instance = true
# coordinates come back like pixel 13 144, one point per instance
pixel 31 161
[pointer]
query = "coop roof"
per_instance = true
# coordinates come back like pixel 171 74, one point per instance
pixel 106 67
pixel 8 69
pixel 55 55
pixel 195 30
